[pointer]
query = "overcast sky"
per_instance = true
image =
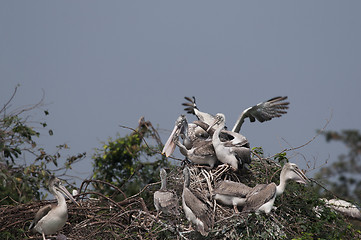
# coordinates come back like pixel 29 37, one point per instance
pixel 103 64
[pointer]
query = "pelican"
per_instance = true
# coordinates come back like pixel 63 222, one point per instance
pixel 262 196
pixel 196 147
pixel 195 210
pixel 164 200
pixel 346 208
pixel 202 152
pixel 189 133
pixel 231 193
pixel 263 111
pixel 50 218
pixel 236 152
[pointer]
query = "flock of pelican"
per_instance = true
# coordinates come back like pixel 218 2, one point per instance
pixel 208 142
pixel 204 142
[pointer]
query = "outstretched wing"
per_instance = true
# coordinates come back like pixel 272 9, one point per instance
pixel 191 108
pixel 263 111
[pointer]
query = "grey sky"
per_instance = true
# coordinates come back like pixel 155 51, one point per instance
pixel 106 63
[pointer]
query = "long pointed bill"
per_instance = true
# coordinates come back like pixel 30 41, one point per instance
pixel 65 191
pixel 303 179
pixel 212 125
pixel 169 146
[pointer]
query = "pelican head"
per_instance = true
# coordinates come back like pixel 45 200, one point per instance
pixel 290 171
pixel 218 119
pixel 56 186
pixel 186 176
pixel 163 174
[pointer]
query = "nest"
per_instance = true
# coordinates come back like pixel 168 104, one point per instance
pixel 101 217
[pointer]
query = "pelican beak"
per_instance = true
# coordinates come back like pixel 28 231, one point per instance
pixel 212 125
pixel 66 193
pixel 303 179
pixel 169 146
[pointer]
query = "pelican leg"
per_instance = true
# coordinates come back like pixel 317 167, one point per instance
pixel 43 236
pixel 235 209
pixel 185 162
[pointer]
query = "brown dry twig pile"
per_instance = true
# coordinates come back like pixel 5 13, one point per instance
pixel 101 217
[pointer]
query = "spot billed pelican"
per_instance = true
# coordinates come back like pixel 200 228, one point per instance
pixel 263 111
pixel 236 152
pixel 195 210
pixel 262 196
pixel 196 145
pixel 164 200
pixel 231 193
pixel 51 218
pixel 188 132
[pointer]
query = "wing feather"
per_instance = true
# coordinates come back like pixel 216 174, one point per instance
pixel 40 214
pixel 200 209
pixel 264 111
pixel 260 194
pixel 231 188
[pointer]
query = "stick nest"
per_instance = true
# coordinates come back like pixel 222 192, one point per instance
pixel 102 217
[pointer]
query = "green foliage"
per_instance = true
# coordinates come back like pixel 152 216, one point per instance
pixel 21 179
pixel 128 163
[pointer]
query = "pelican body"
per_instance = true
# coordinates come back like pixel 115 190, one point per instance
pixel 231 193
pixel 262 196
pixel 196 211
pixel 164 200
pixel 51 218
pixel 235 152
pixel 196 146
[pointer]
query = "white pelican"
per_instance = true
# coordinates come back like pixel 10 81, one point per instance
pixel 236 152
pixel 262 196
pixel 49 219
pixel 263 111
pixel 346 208
pixel 195 210
pixel 164 200
pixel 231 193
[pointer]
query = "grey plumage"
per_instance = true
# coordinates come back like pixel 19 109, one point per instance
pixel 263 111
pixel 262 196
pixel 195 210
pixel 235 152
pixel 231 193
pixel 165 200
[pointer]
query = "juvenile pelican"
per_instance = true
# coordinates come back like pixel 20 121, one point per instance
pixel 49 219
pixel 195 210
pixel 188 132
pixel 164 200
pixel 202 152
pixel 195 145
pixel 235 152
pixel 263 111
pixel 262 196
pixel 231 193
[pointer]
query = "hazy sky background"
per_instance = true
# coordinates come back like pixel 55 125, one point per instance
pixel 107 63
